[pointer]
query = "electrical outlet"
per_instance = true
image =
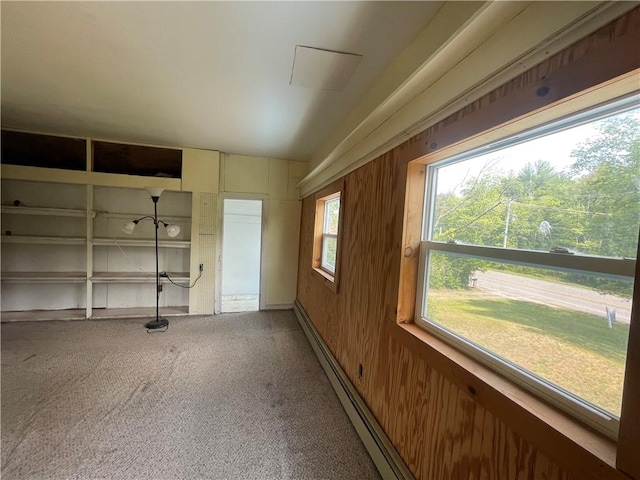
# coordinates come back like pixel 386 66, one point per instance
pixel 202 267
pixel 163 275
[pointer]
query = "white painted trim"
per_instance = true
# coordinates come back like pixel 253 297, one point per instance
pixel 89 246
pixel 490 63
pixel 612 267
pixel 58 175
pixel 380 448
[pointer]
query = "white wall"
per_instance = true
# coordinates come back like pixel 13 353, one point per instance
pixel 277 180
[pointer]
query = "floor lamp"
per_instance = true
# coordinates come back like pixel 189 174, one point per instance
pixel 172 231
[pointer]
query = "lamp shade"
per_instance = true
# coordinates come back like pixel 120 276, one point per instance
pixel 128 227
pixel 173 230
pixel 154 191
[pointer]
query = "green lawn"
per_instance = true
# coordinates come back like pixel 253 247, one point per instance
pixel 576 351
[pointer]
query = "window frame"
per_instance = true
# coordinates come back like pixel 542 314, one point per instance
pixel 326 234
pixel 593 416
pixel 328 193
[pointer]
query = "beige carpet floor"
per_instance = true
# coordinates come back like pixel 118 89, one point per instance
pixel 236 396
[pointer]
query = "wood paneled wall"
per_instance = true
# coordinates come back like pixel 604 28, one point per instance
pixel 441 429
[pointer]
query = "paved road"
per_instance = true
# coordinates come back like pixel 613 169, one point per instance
pixel 557 294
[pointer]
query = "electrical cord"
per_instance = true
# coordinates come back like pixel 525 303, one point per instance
pixel 151 330
pixel 162 274
pixel 166 275
pixel 127 257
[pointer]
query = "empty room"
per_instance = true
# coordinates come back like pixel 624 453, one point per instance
pixel 320 240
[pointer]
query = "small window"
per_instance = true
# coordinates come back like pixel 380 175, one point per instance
pixel 330 235
pixel 528 257
pixel 327 233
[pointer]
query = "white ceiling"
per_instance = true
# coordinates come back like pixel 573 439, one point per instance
pixel 211 75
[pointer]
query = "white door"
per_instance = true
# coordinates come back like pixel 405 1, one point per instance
pixel 241 247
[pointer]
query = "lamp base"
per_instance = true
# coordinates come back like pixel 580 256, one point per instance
pixel 157 324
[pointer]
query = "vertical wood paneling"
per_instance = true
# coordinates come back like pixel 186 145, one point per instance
pixel 489 442
pixel 438 429
pixel 368 258
pixel 437 426
pixel 461 454
pixel 476 444
pixel 321 302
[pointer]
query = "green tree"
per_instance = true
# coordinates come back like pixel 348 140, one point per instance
pixel 546 210
pixel 607 172
pixel 607 175
pixel 594 208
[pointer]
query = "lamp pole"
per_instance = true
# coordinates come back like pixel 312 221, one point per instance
pixel 172 231
pixel 158 322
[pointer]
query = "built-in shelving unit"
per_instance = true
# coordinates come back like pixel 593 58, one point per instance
pixel 123 268
pixel 64 254
pixel 43 246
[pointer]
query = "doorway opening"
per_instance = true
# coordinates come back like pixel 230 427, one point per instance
pixel 241 255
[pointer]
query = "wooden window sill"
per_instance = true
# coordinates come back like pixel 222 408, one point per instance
pixel 557 434
pixel 328 279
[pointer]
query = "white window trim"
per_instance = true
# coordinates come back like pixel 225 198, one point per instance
pixel 597 418
pixel 325 266
pixel 325 234
pixel 325 228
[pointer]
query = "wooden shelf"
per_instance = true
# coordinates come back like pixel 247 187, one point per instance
pixel 40 240
pixel 44 277
pixel 97 314
pixel 42 315
pixel 132 242
pixel 136 277
pixel 52 212
pixel 140 312
pixel 132 216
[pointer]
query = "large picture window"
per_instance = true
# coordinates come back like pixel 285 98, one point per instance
pixel 528 257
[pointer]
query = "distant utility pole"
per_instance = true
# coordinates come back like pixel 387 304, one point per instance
pixel 506 224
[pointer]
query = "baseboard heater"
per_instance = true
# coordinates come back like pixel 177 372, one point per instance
pixel 382 452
